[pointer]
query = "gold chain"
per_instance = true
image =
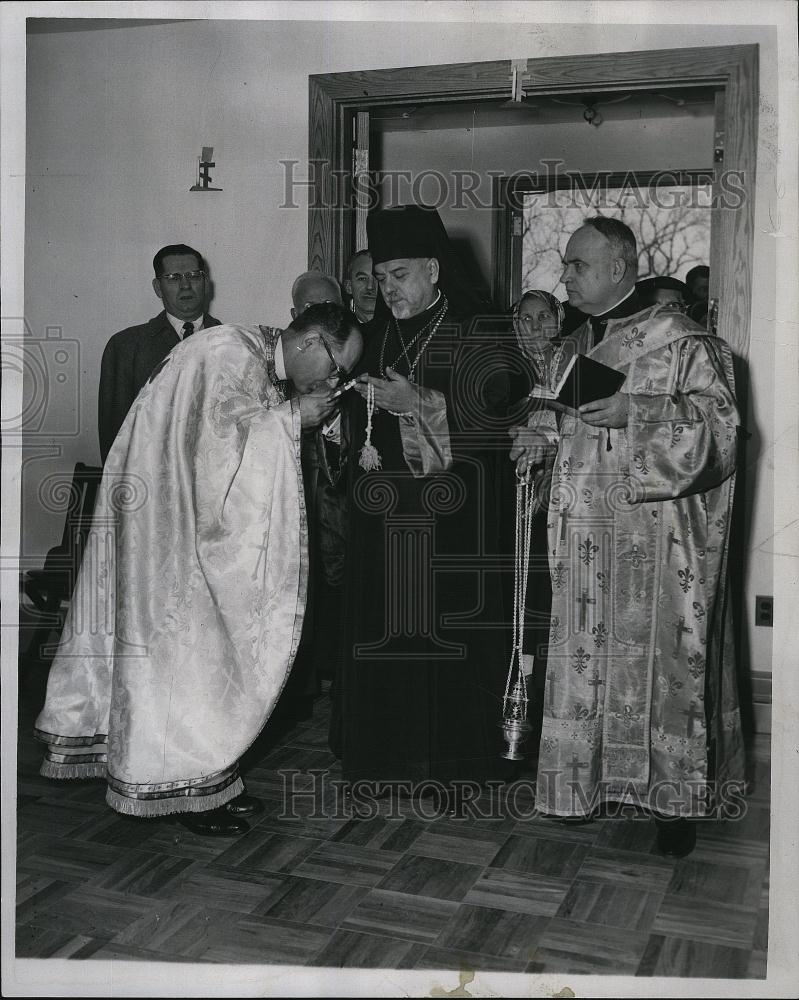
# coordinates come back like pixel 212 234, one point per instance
pixel 435 323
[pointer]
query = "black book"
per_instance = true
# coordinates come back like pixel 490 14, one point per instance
pixel 584 381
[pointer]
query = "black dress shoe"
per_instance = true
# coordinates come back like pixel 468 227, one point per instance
pixel 244 805
pixel 214 823
pixel 676 837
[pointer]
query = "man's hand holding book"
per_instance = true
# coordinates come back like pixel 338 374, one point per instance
pixel 611 412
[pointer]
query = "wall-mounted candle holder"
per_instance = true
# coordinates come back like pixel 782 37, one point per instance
pixel 204 164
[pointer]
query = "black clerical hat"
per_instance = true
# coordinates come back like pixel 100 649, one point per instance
pixel 417 231
pixel 406 231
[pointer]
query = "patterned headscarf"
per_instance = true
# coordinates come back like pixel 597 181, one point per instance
pixel 553 304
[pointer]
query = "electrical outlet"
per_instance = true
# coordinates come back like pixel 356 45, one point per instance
pixel 764 611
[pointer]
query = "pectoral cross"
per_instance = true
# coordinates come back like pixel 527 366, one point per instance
pixel 681 629
pixel 691 713
pixel 595 683
pixel 583 601
pixel 261 555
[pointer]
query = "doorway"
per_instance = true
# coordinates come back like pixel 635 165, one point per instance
pixel 341 105
pixel 340 132
pixel 512 180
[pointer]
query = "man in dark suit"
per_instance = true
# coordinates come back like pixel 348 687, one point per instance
pixel 132 355
pixel 361 286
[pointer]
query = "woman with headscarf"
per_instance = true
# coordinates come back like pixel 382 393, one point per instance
pixel 537 322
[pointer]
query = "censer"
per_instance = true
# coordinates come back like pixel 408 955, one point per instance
pixel 515 727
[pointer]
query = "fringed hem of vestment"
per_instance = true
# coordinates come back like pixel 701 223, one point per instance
pixel 49 769
pixel 173 803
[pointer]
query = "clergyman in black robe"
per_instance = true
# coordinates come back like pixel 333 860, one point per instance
pixel 418 702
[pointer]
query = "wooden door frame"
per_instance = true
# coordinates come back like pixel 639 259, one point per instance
pixel 334 97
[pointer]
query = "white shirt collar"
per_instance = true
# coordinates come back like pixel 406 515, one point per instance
pixel 280 366
pixel 616 304
pixel 178 324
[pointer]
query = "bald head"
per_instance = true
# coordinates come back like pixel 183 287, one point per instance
pixel 311 288
pixel 600 265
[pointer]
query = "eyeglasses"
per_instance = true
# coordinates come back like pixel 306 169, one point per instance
pixel 175 277
pixel 338 373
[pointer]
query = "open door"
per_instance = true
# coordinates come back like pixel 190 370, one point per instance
pixel 336 99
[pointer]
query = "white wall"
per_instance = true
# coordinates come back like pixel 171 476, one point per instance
pixel 116 119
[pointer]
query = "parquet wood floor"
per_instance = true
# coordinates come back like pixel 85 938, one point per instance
pixel 321 887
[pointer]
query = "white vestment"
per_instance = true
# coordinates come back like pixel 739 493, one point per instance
pixel 188 607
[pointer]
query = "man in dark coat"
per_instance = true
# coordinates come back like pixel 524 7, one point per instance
pixel 361 286
pixel 418 704
pixel 132 355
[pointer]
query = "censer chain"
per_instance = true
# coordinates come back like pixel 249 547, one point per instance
pixel 525 498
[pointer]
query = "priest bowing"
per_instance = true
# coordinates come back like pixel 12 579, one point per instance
pixel 188 608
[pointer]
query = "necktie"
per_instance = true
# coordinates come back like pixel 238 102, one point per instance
pixel 188 330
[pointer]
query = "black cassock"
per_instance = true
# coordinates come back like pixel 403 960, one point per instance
pixel 419 696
